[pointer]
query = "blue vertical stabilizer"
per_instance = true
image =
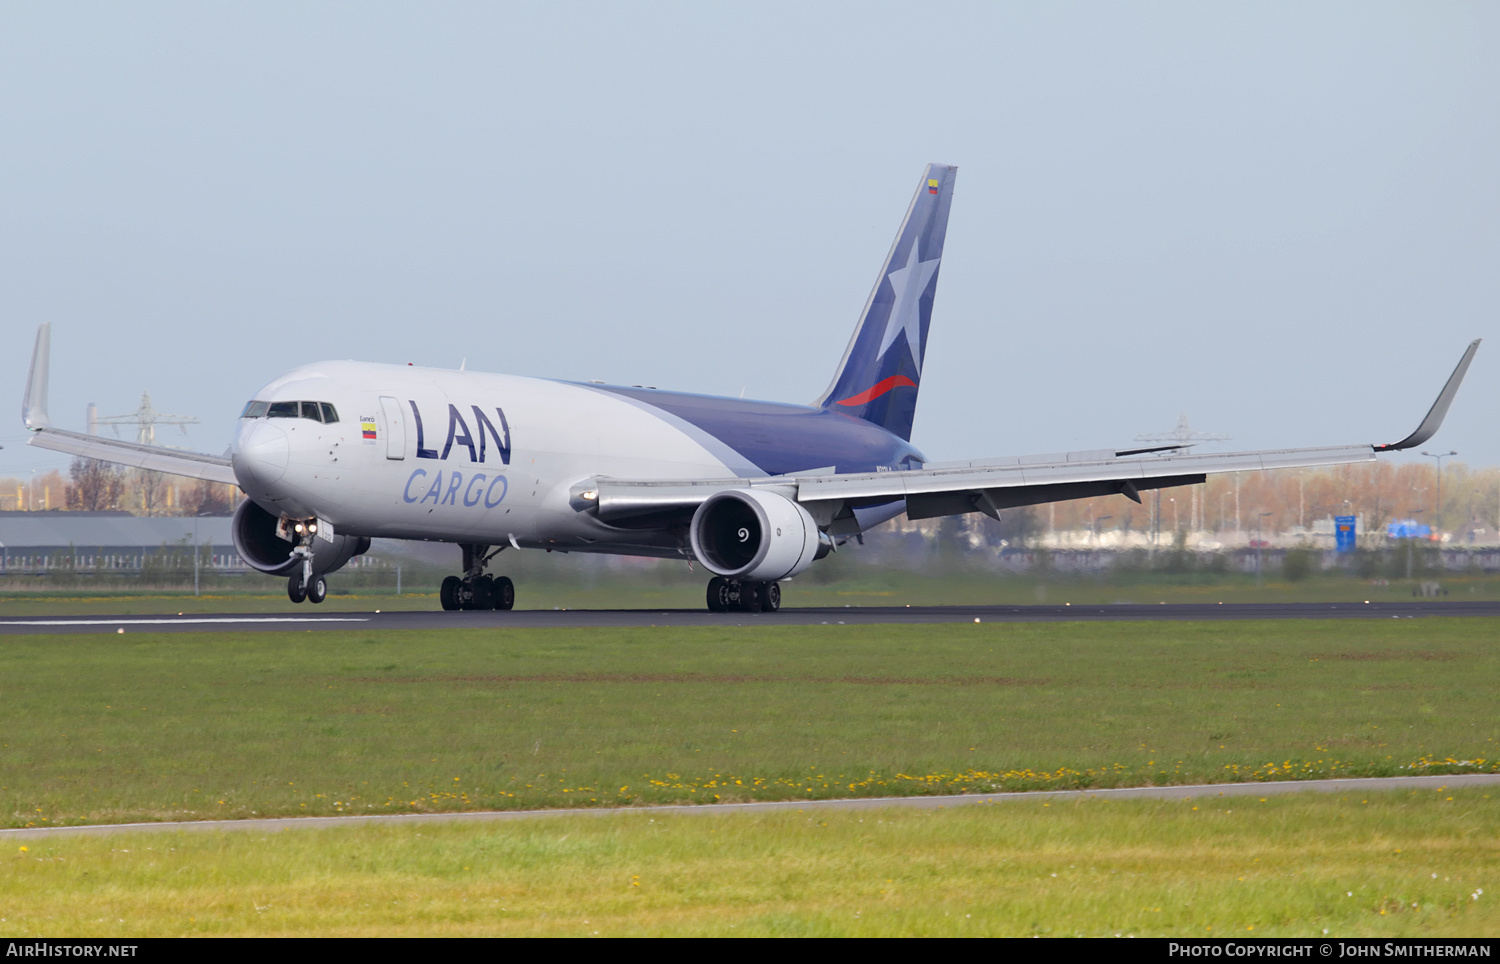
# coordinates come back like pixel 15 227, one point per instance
pixel 882 367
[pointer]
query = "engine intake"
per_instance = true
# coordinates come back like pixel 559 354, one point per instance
pixel 255 539
pixel 754 535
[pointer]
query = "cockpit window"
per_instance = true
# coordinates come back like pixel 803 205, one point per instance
pixel 317 411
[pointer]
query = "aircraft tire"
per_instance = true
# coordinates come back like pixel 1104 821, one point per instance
pixel 504 593
pixel 448 593
pixel 770 597
pixel 718 595
pixel 295 591
pixel 484 592
pixel 750 600
pixel 317 590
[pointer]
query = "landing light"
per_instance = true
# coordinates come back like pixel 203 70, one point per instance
pixel 589 495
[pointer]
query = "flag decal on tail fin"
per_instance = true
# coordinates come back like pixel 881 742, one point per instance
pixel 879 390
pixel 932 185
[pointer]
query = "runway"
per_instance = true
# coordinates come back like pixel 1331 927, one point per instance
pixel 305 619
pixel 1195 792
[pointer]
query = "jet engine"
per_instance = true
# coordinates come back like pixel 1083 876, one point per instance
pixel 755 536
pixel 257 541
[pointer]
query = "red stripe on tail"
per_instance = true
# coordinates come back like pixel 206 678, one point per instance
pixel 880 389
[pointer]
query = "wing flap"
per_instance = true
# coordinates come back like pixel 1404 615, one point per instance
pixel 924 481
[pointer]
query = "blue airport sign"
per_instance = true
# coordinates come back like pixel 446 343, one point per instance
pixel 1343 532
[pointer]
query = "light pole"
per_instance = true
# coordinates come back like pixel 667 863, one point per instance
pixel 1259 542
pixel 195 553
pixel 1411 537
pixel 1438 511
pixel 1096 527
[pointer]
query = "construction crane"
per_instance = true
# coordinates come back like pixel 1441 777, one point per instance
pixel 1184 434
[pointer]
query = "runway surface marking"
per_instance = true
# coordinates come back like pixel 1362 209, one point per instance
pixel 1364 785
pixel 179 620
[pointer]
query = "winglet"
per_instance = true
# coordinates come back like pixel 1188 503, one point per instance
pixel 1439 409
pixel 34 405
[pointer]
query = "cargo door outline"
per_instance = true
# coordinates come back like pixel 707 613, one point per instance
pixel 395 427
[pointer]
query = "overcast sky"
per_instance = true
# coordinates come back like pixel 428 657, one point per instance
pixel 1282 220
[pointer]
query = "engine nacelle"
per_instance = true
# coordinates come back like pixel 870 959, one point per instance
pixel 255 539
pixel 753 535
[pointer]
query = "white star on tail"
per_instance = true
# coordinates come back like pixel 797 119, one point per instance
pixel 908 283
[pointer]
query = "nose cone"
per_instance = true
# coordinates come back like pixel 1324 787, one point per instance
pixel 260 456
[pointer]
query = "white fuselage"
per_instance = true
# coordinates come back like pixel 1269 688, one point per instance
pixel 374 473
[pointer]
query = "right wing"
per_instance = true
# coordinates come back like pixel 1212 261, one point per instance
pixel 988 485
pixel 194 465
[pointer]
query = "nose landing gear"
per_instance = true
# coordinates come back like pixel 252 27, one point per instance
pixel 476 589
pixel 314 590
pixel 726 595
pixel 304 583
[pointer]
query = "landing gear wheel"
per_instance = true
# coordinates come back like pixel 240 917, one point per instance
pixel 718 595
pixel 317 590
pixel 295 591
pixel 484 592
pixel 770 597
pixel 448 592
pixel 750 597
pixel 504 592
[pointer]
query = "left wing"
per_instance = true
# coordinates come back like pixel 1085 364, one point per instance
pixel 989 485
pixel 194 465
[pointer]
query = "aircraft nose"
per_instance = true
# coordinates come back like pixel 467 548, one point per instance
pixel 260 455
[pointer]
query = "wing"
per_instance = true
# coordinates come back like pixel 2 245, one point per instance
pixel 988 485
pixel 194 465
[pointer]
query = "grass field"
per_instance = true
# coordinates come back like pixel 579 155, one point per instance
pixel 1416 864
pixel 181 726
pixel 153 727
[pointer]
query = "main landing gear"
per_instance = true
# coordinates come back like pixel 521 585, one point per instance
pixel 476 589
pixel 726 595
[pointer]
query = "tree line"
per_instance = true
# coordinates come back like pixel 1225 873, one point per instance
pixel 91 485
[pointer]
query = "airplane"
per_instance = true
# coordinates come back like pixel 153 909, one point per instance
pixel 334 454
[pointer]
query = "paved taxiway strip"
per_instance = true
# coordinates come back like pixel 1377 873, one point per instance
pixel 828 616
pixel 1208 790
pixel 184 620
